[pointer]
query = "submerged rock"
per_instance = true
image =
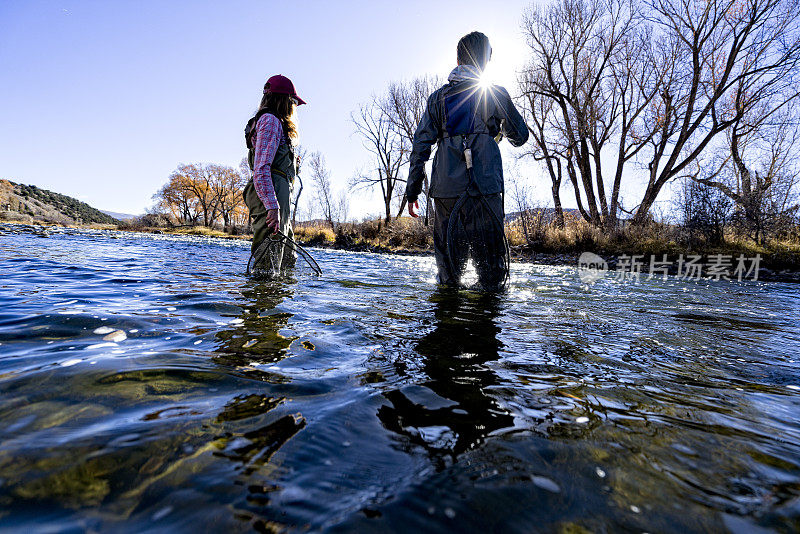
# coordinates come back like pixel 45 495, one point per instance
pixel 116 336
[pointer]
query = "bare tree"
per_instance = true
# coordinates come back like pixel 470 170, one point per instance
pixel 705 211
pixel 321 179
pixel 300 154
pixel 342 204
pixel 659 81
pixel 729 57
pixel 571 91
pixel 584 89
pixel 403 106
pixel 638 72
pixel 547 146
pixel 531 218
pixel 760 173
pixel 244 169
pixel 380 138
pixel 247 174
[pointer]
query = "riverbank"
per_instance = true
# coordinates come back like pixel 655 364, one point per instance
pixel 43 229
pixel 625 250
pixel 628 250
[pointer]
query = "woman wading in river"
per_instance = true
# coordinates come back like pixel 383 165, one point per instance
pixel 271 135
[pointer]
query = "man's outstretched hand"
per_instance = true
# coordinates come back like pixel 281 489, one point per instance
pixel 412 206
pixel 273 220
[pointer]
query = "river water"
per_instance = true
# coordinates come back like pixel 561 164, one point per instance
pixel 146 384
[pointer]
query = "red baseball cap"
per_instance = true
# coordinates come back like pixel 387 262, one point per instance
pixel 280 84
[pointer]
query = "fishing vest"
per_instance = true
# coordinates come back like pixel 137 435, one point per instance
pixel 283 164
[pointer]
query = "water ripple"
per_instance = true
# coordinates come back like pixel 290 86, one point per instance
pixel 147 384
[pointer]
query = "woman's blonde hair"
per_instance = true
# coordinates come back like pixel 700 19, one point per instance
pixel 282 107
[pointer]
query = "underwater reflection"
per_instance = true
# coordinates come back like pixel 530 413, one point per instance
pixel 255 337
pixel 252 426
pixel 252 447
pixel 453 355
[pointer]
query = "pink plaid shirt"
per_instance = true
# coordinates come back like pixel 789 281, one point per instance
pixel 268 137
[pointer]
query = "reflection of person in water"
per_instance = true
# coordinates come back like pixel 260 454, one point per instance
pixel 464 338
pixel 257 338
pixel 254 425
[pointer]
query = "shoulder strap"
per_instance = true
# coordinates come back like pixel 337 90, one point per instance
pixel 443 110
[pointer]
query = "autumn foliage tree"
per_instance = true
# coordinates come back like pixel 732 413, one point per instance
pixel 208 194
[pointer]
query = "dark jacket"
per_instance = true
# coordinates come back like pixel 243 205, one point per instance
pixel 462 110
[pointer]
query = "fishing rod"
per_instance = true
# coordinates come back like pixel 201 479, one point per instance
pixel 279 238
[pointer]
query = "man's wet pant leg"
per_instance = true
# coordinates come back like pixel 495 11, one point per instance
pixel 442 208
pixel 478 230
pixel 487 241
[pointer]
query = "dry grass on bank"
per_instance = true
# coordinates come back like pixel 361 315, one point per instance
pixel 403 234
pixel 654 238
pixel 26 220
pixel 537 236
pixel 577 235
pixel 202 231
pixel 314 234
pixel 528 236
pixel 410 234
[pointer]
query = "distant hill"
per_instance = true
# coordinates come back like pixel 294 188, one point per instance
pixel 28 203
pixel 549 214
pixel 120 216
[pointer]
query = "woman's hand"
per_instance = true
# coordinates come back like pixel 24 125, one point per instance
pixel 273 220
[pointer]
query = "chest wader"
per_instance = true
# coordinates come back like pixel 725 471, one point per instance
pixel 273 253
pixel 474 224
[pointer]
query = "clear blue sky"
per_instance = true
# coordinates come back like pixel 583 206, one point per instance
pixel 102 100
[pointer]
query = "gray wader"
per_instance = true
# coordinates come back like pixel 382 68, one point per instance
pixel 476 234
pixel 465 122
pixel 279 257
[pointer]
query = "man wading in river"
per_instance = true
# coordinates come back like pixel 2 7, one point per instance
pixel 466 119
pixel 270 137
